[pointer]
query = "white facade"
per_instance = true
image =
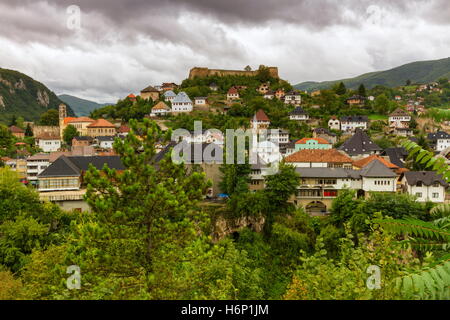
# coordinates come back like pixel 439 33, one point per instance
pixel 277 136
pixel 200 101
pixel 36 167
pixel 106 144
pixel 182 103
pixel 299 117
pixel 49 145
pixel 399 121
pixel 159 112
pixel 442 144
pixel 379 184
pixel 334 124
pixel 434 193
pixel 294 99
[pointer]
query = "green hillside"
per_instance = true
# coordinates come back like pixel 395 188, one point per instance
pixel 417 72
pixel 81 107
pixel 23 96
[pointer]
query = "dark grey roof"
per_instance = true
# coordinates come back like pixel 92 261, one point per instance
pixel 354 119
pixel 105 138
pixel 438 135
pixel 83 138
pixel 426 177
pixel 298 111
pixel 324 131
pixel 376 169
pixel 356 97
pixel 396 156
pixel 73 166
pixel 359 143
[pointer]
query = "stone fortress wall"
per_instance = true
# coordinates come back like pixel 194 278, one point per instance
pixel 205 72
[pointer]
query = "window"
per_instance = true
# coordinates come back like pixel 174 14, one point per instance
pixel 435 195
pixel 419 194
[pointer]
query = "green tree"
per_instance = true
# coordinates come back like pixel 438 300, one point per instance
pixel 341 89
pixel 69 133
pixel 28 131
pixel 50 118
pixel 362 90
pixel 382 104
pixel 13 121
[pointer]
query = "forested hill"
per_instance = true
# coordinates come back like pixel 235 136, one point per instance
pixel 20 95
pixel 417 72
pixel 81 107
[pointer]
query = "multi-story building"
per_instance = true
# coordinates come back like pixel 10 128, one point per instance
pixel 48 143
pixel 150 93
pixel 439 140
pixel 293 98
pixel 320 186
pixel 299 114
pixel 317 158
pixel 426 186
pixel 182 103
pixel 312 143
pixel 334 123
pixel 399 119
pixel 260 121
pixel 351 123
pixel 101 127
pixel 36 165
pixel 232 94
pixel 169 95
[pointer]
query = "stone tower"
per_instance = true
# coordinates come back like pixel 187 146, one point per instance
pixel 62 115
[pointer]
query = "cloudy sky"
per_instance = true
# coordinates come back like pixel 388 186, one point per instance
pixel 123 46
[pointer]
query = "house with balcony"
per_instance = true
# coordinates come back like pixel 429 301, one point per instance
pixel 320 186
pixel 440 140
pixel 63 181
pixel 293 98
pixel 351 123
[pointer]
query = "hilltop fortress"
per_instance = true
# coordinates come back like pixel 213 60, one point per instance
pixel 205 72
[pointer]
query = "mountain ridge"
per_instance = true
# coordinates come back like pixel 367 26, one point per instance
pixel 23 96
pixel 417 72
pixel 81 107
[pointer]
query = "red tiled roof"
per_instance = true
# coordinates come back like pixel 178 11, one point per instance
pixel 101 123
pixel 15 129
pixel 123 129
pixel 364 162
pixel 325 156
pixel 68 119
pixel 233 90
pixel 132 96
pixel 261 116
pixel 81 119
pixel 319 140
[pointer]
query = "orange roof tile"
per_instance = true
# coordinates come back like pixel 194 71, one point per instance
pixel 101 123
pixel 81 119
pixel 364 162
pixel 233 90
pixel 325 156
pixel 15 129
pixel 68 119
pixel 319 140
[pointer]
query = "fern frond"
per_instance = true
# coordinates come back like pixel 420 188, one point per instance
pixel 431 282
pixel 418 228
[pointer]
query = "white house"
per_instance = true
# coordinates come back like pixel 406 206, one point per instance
pixel 169 95
pixel 35 165
pixel 182 103
pixel 105 142
pixel 269 95
pixel 293 98
pixel 440 140
pixel 232 94
pixel 278 136
pixel 200 101
pixel 425 185
pixel 351 123
pixel 399 119
pixel 299 115
pixel 334 124
pixel 160 109
pixel 48 143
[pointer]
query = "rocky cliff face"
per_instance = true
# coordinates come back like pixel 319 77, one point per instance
pixel 23 96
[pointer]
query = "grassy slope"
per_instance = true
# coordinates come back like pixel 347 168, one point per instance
pixel 417 72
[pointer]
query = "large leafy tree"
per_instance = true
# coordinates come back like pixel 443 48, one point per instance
pixel 50 118
pixel 69 133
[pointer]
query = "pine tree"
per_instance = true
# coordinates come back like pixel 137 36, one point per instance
pixel 362 90
pixel 28 131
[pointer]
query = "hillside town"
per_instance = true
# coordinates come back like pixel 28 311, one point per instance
pixel 330 153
